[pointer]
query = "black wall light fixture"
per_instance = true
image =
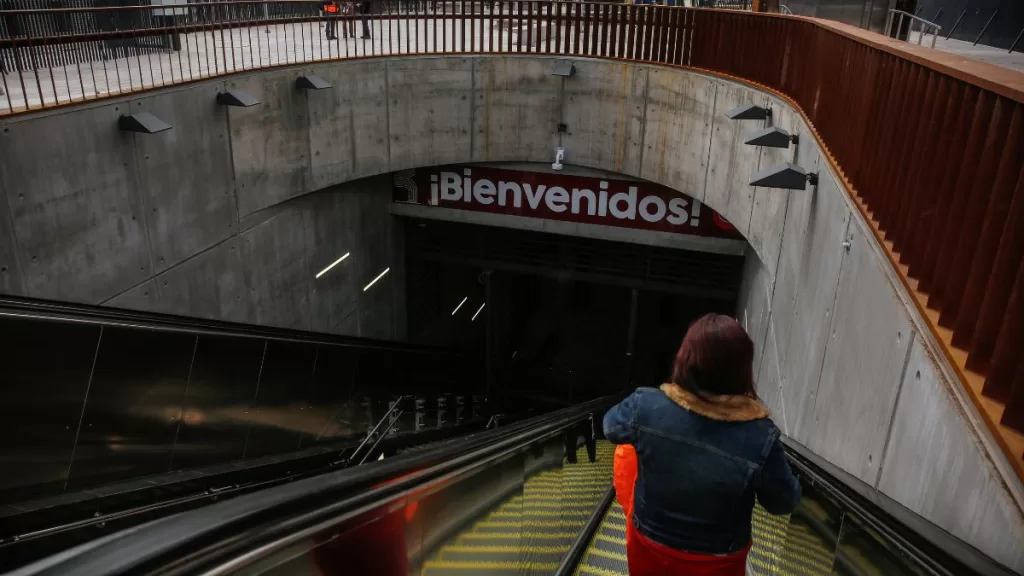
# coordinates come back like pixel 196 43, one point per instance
pixel 142 123
pixel 236 98
pixel 787 176
pixel 773 137
pixel 749 112
pixel 564 68
pixel 311 82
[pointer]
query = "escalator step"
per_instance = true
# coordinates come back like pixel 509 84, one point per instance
pixel 535 554
pixel 530 532
pixel 498 539
pixel 441 568
pixel 606 553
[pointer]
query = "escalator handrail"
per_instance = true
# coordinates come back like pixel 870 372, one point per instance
pixel 64 312
pixel 931 546
pixel 185 542
pixel 573 557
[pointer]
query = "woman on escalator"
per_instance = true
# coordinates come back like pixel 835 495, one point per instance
pixel 705 447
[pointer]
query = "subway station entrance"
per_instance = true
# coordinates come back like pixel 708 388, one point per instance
pixel 562 317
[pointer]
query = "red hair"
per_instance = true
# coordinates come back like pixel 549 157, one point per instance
pixel 716 357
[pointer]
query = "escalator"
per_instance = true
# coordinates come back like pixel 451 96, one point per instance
pixel 780 546
pixel 111 418
pixel 503 501
pixel 530 532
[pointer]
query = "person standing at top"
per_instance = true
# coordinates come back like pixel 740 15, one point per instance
pixel 366 8
pixel 348 25
pixel 705 448
pixel 331 10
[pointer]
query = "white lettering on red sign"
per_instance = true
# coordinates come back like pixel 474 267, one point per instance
pixel 627 205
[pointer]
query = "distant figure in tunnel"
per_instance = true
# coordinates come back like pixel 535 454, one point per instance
pixel 705 447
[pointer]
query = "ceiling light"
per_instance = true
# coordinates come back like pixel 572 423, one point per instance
pixel 374 281
pixel 333 264
pixel 478 311
pixel 460 305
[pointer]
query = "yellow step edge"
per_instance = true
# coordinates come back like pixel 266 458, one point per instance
pixel 816 565
pixel 532 523
pixel 616 541
pixel 503 549
pixel 541 513
pixel 445 564
pixel 596 571
pixel 548 504
pixel 606 554
pixel 521 535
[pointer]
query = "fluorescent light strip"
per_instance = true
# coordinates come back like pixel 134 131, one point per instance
pixel 374 281
pixel 478 311
pixel 333 264
pixel 460 305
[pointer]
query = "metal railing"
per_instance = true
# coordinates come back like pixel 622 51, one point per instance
pixel 898 17
pixel 934 154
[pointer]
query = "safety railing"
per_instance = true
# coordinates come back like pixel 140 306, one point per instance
pixel 931 147
pixel 898 17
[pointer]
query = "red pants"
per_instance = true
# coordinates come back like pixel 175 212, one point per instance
pixel 648 558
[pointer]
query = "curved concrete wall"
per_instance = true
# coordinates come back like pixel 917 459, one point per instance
pixel 844 359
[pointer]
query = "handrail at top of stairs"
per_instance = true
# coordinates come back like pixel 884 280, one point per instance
pixel 215 538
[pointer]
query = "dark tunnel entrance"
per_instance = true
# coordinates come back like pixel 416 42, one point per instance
pixel 559 319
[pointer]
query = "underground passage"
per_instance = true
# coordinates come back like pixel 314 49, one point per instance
pixel 532 288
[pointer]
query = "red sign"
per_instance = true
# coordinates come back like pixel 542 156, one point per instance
pixel 570 198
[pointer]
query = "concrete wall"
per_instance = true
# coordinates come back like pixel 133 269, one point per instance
pixel 851 371
pixel 839 343
pixel 203 220
pixel 266 273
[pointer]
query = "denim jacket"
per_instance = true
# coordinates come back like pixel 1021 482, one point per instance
pixel 700 464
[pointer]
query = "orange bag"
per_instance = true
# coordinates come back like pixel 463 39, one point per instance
pixel 624 471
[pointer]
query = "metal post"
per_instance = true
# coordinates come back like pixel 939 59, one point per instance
pixel 1014 45
pixel 957 23
pixel 489 332
pixel 985 29
pixel 375 428
pixel 888 24
pixel 631 334
pixel 391 424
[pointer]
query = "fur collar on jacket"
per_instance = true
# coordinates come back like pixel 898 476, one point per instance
pixel 727 408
